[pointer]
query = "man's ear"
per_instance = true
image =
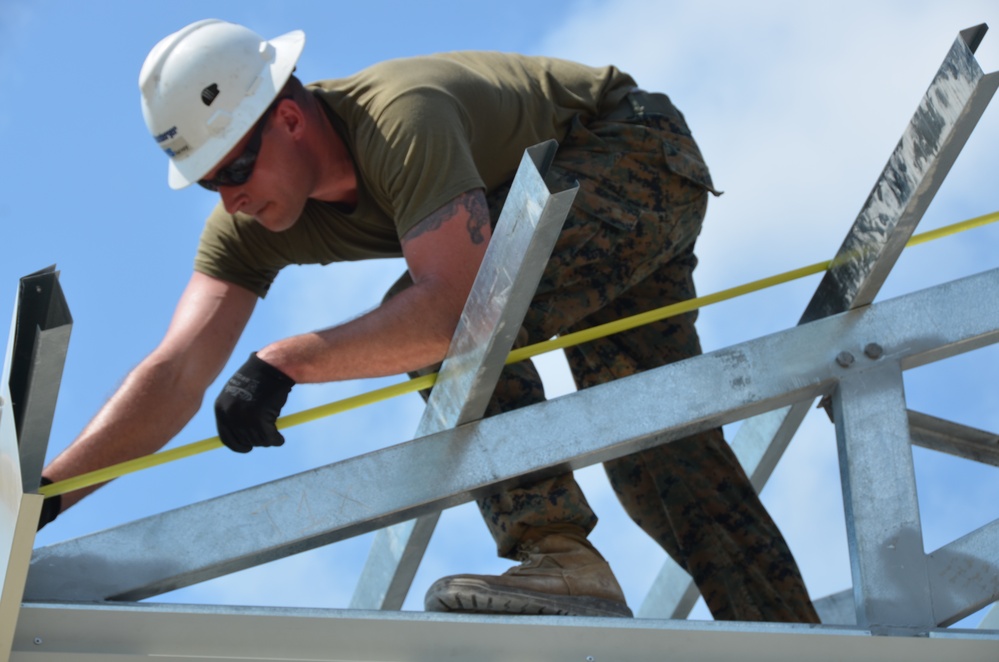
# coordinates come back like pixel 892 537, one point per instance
pixel 290 117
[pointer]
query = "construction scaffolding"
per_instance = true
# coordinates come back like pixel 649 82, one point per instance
pixel 76 601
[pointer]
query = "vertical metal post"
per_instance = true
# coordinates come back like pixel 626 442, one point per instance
pixel 890 581
pixel 39 343
pixel 522 242
pixel 32 371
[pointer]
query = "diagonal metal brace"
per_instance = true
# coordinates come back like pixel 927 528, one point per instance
pixel 521 244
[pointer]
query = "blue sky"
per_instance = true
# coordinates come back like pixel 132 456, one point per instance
pixel 796 107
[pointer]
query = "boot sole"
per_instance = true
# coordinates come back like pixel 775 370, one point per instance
pixel 473 596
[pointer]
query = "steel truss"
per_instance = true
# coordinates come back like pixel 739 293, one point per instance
pixel 79 594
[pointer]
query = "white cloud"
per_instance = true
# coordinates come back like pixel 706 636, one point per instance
pixel 796 106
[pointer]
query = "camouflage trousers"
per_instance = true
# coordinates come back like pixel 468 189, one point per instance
pixel 628 247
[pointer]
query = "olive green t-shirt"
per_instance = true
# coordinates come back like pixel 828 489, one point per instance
pixel 421 131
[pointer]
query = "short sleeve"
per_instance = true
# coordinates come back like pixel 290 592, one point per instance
pixel 231 249
pixel 420 157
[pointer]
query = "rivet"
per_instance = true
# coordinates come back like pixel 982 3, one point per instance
pixel 873 351
pixel 38 641
pixel 844 359
pixel 590 658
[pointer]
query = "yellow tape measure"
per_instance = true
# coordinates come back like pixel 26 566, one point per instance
pixel 413 385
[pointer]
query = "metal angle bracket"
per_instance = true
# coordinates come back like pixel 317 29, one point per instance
pixel 32 371
pixel 39 342
pixel 522 241
pixel 947 114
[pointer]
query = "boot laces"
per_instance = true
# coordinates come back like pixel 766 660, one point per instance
pixel 526 550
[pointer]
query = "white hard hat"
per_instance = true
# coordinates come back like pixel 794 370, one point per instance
pixel 204 87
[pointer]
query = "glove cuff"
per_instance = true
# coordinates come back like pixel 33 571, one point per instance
pixel 257 367
pixel 51 507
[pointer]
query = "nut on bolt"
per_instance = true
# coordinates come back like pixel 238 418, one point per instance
pixel 844 359
pixel 873 351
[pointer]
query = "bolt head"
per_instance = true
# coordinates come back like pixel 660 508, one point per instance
pixel 844 359
pixel 873 351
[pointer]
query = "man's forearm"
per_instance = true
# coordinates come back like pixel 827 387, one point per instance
pixel 413 329
pixel 409 331
pixel 150 407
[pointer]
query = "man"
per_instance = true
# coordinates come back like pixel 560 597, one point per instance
pixel 413 157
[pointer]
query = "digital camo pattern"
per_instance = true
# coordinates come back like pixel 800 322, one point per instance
pixel 628 247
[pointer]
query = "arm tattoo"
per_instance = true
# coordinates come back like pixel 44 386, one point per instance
pixel 474 206
pixel 478 216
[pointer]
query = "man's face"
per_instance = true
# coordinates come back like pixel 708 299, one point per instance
pixel 254 177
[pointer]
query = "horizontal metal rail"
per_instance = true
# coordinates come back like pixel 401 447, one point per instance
pixel 236 531
pixel 138 633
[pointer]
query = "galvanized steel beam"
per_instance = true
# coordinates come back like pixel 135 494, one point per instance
pixel 939 129
pixel 39 342
pixel 18 519
pixel 963 576
pixel 944 436
pixel 32 370
pixel 884 533
pixel 181 633
pixel 941 125
pixel 320 506
pixel 521 244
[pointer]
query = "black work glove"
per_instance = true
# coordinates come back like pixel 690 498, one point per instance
pixel 50 507
pixel 247 409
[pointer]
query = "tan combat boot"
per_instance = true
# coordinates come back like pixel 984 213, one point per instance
pixel 560 573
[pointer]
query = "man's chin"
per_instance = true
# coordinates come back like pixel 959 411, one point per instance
pixel 272 220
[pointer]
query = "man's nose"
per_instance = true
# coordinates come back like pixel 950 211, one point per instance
pixel 234 198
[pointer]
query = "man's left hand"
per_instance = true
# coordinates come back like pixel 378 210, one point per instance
pixel 247 409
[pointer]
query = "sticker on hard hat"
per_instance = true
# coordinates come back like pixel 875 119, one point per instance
pixel 172 143
pixel 176 151
pixel 167 135
pixel 209 93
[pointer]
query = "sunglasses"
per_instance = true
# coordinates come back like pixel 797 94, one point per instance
pixel 241 168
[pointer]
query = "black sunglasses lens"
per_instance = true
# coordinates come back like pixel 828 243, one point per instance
pixel 238 172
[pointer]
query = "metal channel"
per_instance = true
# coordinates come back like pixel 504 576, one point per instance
pixel 35 364
pixel 884 533
pixel 944 436
pixel 36 351
pixel 522 242
pixel 277 519
pixel 949 111
pixel 181 633
pixel 963 574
